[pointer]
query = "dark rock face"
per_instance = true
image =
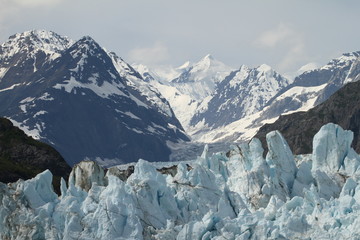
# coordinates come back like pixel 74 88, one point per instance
pixel 342 108
pixel 76 98
pixel 23 157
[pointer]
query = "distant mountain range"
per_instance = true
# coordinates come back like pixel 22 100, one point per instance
pixel 242 93
pixel 59 90
pixel 86 102
pixel 193 84
pixel 247 98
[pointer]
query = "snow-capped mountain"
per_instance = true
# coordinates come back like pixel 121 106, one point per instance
pixel 195 83
pixel 238 195
pixel 313 87
pixel 200 79
pixel 86 102
pixel 243 93
pixel 306 91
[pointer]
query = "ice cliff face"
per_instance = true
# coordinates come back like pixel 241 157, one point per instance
pixel 238 195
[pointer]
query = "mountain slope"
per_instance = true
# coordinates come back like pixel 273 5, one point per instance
pixel 243 93
pixel 342 108
pixel 194 85
pixel 86 102
pixel 23 157
pixel 308 90
pixel 313 87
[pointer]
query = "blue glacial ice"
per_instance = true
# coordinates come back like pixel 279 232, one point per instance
pixel 238 195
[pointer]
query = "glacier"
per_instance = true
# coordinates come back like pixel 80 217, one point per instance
pixel 235 195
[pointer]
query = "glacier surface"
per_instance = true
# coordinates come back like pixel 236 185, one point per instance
pixel 235 195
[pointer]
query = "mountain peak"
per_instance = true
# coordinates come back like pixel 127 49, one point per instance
pixel 186 65
pixel 37 39
pixel 40 33
pixel 264 68
pixel 89 41
pixel 344 60
pixel 41 39
pixel 87 38
pixel 209 57
pixel 209 63
pixel 307 68
pixel 86 46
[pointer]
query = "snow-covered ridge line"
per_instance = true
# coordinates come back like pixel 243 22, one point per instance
pixel 238 195
pixel 45 77
pixel 46 41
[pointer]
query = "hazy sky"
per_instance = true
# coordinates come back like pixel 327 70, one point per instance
pixel 285 34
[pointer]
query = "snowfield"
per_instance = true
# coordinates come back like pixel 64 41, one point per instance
pixel 234 195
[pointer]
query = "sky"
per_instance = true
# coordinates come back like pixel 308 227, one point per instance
pixel 285 34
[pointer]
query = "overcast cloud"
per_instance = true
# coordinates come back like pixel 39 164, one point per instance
pixel 154 55
pixel 285 34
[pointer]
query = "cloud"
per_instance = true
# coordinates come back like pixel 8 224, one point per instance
pixel 294 56
pixel 276 36
pixel 36 3
pixel 11 11
pixel 154 55
pixel 287 42
pixel 13 5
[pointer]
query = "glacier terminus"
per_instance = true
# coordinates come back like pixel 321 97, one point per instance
pixel 235 195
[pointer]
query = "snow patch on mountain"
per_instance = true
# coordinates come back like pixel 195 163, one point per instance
pixel 135 80
pixel 104 91
pixel 305 96
pixel 3 72
pixel 183 105
pixel 237 131
pixel 34 132
pixel 130 114
pixel 10 88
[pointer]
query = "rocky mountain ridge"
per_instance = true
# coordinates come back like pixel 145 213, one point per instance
pixel 59 94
